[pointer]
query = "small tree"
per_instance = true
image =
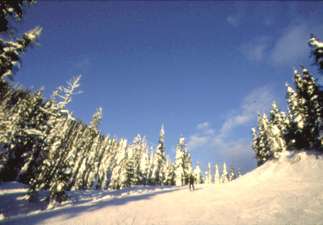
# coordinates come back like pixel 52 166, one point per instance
pixel 224 176
pixel 198 174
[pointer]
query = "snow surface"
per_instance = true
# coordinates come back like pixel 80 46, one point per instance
pixel 288 191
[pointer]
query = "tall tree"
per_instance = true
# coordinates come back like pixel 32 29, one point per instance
pixel 208 178
pixel 278 123
pixel 159 163
pixel 11 9
pixel 198 174
pixel 217 179
pixel 304 111
pixel 317 50
pixel 54 172
pixel 183 163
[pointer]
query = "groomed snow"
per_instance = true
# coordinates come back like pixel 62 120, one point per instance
pixel 284 192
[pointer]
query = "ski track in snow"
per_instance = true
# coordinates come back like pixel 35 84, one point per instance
pixel 284 192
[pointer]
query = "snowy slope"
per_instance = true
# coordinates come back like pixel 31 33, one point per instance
pixel 284 192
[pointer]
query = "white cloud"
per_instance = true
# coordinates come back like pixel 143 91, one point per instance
pixel 221 142
pixel 291 45
pixel 202 137
pixel 257 101
pixel 220 145
pixel 196 141
pixel 288 48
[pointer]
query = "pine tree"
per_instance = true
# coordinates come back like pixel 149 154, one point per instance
pixel 108 154
pixel 54 172
pixel 208 179
pixel 198 174
pixel 261 140
pixel 180 163
pixel 159 163
pixel 144 162
pixel 21 137
pixel 232 174
pixel 96 119
pixel 183 163
pixel 217 179
pixel 11 8
pixel 10 52
pixel 238 174
pixel 224 176
pixel 317 50
pixel 170 173
pixel 277 129
pixel 117 177
pixel 304 111
pixel 188 169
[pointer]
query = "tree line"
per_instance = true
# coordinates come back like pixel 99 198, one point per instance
pixel 301 127
pixel 43 145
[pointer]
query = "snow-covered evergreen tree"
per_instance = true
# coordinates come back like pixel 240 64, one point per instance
pixel 170 173
pixel 96 119
pixel 21 137
pixel 183 163
pixel 317 49
pixel 13 9
pixel 238 174
pixel 232 174
pixel 208 178
pixel 261 140
pixel 54 172
pixel 304 111
pixel 118 178
pixel 10 52
pixel 224 176
pixel 217 179
pixel 198 174
pixel 277 129
pixel 159 161
pixel 180 163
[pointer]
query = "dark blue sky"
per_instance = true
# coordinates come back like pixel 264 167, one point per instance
pixel 204 69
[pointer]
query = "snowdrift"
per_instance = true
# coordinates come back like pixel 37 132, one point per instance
pixel 288 191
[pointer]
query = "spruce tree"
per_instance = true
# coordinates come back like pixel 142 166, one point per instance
pixel 217 179
pixel 10 52
pixel 170 173
pixel 232 174
pixel 317 50
pixel 261 140
pixel 183 163
pixel 96 119
pixel 224 176
pixel 180 163
pixel 198 174
pixel 159 163
pixel 278 124
pixel 208 178
pixel 304 111
pixel 118 172
pixel 54 172
pixel 11 9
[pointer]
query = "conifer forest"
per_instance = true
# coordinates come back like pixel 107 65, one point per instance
pixel 54 154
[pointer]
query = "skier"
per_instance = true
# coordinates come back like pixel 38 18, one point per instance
pixel 191 181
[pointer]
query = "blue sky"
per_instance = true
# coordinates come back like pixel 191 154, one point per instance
pixel 204 69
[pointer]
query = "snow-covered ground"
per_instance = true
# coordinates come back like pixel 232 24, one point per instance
pixel 284 192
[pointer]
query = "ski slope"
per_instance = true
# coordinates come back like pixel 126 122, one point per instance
pixel 284 192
